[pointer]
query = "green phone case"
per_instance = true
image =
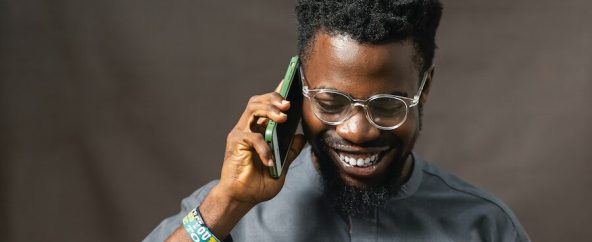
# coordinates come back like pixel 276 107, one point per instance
pixel 270 131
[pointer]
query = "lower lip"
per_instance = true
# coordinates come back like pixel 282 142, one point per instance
pixel 354 170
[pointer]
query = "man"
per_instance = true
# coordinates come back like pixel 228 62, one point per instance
pixel 367 68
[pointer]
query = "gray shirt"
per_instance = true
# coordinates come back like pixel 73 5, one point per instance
pixel 433 205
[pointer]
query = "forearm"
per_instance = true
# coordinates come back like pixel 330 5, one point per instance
pixel 220 214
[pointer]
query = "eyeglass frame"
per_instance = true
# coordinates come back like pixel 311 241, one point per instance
pixel 409 102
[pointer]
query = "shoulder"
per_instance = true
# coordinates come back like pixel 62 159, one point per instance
pixel 198 196
pixel 438 179
pixel 470 203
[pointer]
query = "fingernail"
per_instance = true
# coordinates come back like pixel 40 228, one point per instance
pixel 283 114
pixel 284 102
pixel 270 162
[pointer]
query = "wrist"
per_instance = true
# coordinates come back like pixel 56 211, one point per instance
pixel 231 203
pixel 196 228
pixel 220 212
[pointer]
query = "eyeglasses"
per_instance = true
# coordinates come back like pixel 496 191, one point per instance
pixel 384 111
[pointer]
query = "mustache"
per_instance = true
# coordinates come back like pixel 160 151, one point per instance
pixel 334 140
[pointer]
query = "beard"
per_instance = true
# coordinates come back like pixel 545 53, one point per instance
pixel 348 200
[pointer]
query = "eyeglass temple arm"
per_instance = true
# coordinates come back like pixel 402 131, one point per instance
pixel 418 95
pixel 304 86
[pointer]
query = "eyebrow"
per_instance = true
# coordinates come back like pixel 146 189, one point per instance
pixel 396 93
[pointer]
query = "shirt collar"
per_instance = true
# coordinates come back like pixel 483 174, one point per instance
pixel 412 184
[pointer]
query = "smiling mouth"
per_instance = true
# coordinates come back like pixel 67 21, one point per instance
pixel 359 160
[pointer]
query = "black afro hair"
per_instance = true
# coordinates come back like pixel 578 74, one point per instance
pixel 372 22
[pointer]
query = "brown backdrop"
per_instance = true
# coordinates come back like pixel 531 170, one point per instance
pixel 112 111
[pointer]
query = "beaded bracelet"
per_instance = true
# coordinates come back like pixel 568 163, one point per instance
pixel 196 228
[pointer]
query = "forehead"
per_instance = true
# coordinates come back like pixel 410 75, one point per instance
pixel 339 62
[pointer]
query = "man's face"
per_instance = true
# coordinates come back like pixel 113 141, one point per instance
pixel 362 70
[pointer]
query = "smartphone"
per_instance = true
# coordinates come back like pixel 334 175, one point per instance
pixel 279 136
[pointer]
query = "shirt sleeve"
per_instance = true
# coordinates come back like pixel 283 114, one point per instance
pixel 168 226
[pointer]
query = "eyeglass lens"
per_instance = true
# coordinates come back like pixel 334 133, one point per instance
pixel 335 107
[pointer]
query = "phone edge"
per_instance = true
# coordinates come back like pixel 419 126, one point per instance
pixel 275 171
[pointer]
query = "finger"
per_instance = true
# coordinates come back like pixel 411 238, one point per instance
pixel 252 112
pixel 279 87
pixel 260 110
pixel 262 121
pixel 256 141
pixel 273 98
pixel 295 149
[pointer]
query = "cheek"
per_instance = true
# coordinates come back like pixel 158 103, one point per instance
pixel 409 131
pixel 311 124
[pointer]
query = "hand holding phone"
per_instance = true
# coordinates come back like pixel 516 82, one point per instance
pixel 245 180
pixel 248 157
pixel 279 136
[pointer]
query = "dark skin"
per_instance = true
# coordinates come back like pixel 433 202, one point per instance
pixel 361 71
pixel 336 62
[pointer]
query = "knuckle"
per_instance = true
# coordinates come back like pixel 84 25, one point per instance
pixel 274 108
pixel 266 110
pixel 251 106
pixel 269 108
pixel 231 136
pixel 253 98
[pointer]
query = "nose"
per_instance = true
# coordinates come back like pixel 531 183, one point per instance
pixel 357 129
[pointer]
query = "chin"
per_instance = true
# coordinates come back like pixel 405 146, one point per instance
pixel 354 189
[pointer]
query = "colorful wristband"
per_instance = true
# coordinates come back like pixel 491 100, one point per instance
pixel 196 228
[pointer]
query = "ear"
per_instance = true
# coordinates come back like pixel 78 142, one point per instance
pixel 428 83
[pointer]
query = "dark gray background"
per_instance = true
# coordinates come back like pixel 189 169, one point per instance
pixel 112 111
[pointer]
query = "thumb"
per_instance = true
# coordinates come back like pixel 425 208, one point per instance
pixel 297 145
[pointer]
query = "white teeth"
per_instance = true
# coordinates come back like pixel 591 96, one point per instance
pixel 352 161
pixel 360 162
